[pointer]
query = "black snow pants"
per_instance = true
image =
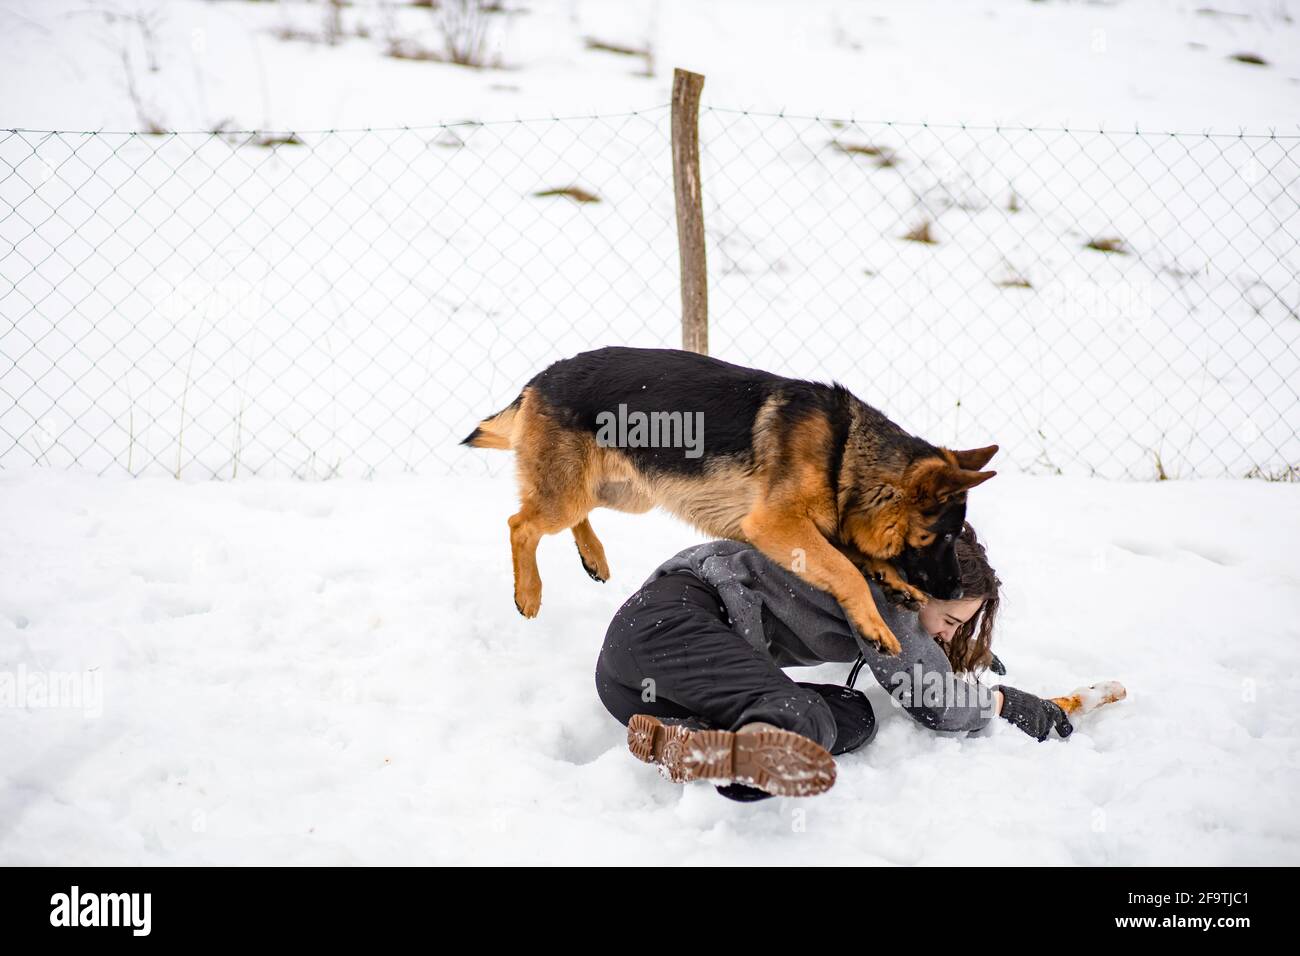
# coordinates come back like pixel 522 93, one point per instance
pixel 671 652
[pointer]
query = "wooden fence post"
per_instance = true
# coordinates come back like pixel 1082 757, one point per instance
pixel 690 210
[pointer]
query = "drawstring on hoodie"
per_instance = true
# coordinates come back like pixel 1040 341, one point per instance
pixel 857 669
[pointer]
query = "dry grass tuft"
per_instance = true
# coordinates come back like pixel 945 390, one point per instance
pixel 400 48
pixel 1110 244
pixel 882 156
pixel 272 140
pixel 1161 474
pixel 594 44
pixel 921 233
pixel 576 193
pixel 645 54
pixel 1285 473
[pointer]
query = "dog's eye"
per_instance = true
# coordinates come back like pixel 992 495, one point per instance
pixel 947 538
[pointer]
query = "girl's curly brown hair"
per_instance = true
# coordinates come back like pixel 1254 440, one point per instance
pixel 971 647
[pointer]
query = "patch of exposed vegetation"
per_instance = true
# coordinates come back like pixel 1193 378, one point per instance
pixel 576 193
pixel 644 54
pixel 272 140
pixel 1109 244
pixel 921 233
pixel 1284 473
pixel 882 156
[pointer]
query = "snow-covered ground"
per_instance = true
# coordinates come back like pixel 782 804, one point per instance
pixel 1158 64
pixel 334 672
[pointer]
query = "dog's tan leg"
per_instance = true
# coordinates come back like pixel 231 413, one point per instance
pixel 554 467
pixel 591 551
pixel 797 545
pixel 888 575
pixel 527 528
pixel 525 533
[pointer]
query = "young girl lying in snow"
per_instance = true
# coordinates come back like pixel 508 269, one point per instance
pixel 692 664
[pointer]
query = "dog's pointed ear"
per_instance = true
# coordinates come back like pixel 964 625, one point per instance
pixel 937 480
pixel 964 480
pixel 974 459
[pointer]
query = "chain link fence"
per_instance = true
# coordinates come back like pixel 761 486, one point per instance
pixel 1102 303
pixel 351 302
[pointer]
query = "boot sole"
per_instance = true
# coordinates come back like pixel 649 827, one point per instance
pixel 778 762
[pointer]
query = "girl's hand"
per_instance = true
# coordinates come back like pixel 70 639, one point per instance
pixel 1033 715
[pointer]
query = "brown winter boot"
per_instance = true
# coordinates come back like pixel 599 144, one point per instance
pixel 778 762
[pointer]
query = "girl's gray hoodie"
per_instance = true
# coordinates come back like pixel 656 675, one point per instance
pixel 798 624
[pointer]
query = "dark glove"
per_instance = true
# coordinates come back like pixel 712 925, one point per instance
pixel 997 667
pixel 1033 715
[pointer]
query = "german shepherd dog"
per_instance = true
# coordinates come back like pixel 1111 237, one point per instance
pixel 804 472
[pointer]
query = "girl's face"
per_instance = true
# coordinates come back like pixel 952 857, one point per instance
pixel 942 618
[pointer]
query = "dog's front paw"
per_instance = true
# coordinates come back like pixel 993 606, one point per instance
pixel 903 598
pixel 915 598
pixel 878 633
pixel 886 641
pixel 902 592
pixel 896 587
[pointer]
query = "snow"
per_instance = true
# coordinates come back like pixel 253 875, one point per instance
pixel 1157 63
pixel 270 670
pixel 334 672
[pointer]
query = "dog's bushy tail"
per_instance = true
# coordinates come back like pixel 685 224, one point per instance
pixel 496 431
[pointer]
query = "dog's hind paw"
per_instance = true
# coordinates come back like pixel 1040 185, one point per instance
pixel 596 569
pixel 529 606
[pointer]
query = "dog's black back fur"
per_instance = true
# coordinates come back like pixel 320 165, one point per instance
pixel 579 389
pixel 660 380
